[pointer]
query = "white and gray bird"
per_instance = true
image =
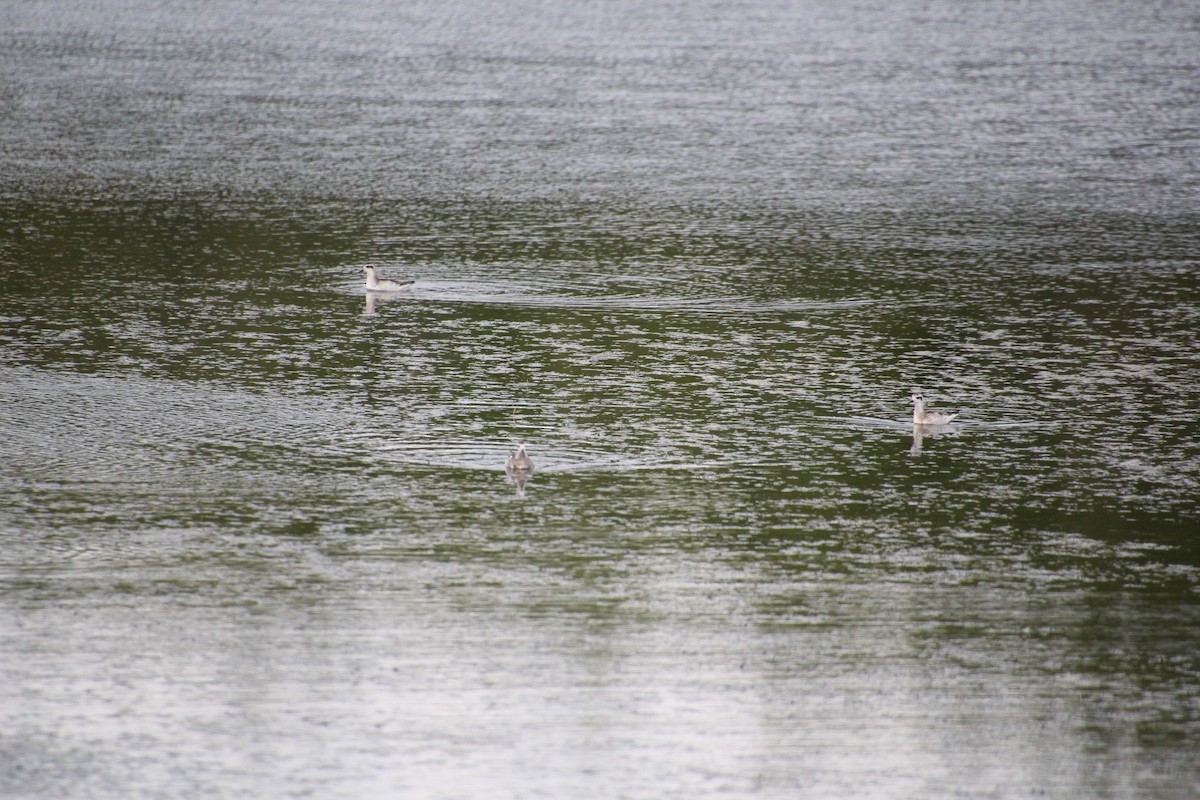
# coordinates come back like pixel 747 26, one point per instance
pixel 377 284
pixel 929 416
pixel 519 460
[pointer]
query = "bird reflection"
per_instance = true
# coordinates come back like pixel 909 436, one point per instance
pixel 919 432
pixel 374 299
pixel 918 438
pixel 519 478
pixel 519 468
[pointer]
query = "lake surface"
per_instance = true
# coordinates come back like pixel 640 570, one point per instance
pixel 256 535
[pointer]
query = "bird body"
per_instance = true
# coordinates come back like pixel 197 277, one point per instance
pixel 929 416
pixel 377 284
pixel 519 460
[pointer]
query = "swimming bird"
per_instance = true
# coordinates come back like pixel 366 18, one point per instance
pixel 519 460
pixel 376 284
pixel 921 416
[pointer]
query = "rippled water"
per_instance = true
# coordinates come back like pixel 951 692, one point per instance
pixel 256 536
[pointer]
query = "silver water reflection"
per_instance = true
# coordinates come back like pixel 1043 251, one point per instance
pixel 256 534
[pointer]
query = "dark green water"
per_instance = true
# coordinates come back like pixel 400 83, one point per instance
pixel 256 536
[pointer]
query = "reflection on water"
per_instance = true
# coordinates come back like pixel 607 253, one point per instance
pixel 374 301
pixel 920 432
pixel 519 478
pixel 257 534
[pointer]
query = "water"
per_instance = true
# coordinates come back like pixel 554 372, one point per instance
pixel 257 538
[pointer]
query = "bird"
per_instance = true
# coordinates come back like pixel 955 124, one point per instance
pixel 519 460
pixel 376 284
pixel 922 416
